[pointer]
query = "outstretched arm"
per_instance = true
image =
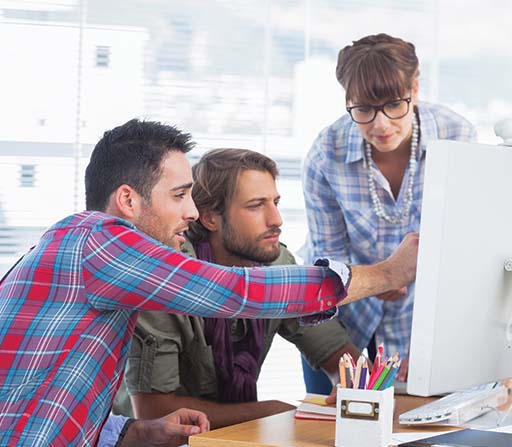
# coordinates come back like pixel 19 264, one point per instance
pixel 125 269
pixel 395 272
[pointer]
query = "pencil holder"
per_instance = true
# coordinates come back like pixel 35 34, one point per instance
pixel 364 418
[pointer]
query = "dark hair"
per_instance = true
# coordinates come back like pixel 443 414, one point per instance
pixel 377 67
pixel 216 177
pixel 130 154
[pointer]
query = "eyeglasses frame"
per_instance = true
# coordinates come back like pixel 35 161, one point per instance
pixel 377 109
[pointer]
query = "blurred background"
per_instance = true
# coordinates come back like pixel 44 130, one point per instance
pixel 238 73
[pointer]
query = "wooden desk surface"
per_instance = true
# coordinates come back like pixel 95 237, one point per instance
pixel 283 430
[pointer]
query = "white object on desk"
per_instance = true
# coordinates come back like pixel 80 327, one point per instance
pixel 364 417
pixel 399 438
pixel 462 319
pixel 457 408
pixel 503 129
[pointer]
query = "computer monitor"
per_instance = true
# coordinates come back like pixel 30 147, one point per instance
pixel 462 319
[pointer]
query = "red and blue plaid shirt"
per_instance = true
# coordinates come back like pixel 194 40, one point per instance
pixel 68 309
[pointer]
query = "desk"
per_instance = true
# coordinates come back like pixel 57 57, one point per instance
pixel 283 430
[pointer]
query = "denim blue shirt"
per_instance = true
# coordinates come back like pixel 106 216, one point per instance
pixel 343 224
pixel 110 432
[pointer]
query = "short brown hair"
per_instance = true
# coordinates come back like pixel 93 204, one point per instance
pixel 216 177
pixel 377 67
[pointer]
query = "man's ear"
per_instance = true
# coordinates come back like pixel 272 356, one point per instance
pixel 210 220
pixel 125 202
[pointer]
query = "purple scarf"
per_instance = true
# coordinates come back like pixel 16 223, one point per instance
pixel 237 372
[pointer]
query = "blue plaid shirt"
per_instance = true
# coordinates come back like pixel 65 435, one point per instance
pixel 344 226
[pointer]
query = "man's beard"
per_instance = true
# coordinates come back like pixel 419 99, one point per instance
pixel 151 224
pixel 247 249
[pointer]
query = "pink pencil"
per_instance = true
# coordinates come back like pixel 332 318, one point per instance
pixel 375 375
pixel 378 358
pixel 380 351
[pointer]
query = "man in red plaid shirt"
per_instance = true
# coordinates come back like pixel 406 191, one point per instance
pixel 68 308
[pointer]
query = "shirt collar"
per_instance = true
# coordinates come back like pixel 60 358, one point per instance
pixel 354 140
pixel 354 143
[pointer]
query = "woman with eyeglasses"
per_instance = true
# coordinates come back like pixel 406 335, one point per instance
pixel 363 179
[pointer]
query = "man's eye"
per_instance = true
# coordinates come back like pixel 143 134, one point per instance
pixel 257 205
pixel 181 195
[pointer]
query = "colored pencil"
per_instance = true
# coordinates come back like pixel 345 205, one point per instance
pixel 391 375
pixel 343 376
pixel 383 375
pixel 375 375
pixel 364 375
pixel 357 375
pixel 378 359
pixel 352 361
pixel 349 371
pixel 380 351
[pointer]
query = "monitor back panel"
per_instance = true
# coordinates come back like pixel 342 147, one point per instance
pixel 462 318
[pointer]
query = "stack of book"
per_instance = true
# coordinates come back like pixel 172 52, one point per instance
pixel 314 407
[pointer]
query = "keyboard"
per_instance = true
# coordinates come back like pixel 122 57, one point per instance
pixel 459 407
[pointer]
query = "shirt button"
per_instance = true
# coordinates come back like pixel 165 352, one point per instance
pixel 329 303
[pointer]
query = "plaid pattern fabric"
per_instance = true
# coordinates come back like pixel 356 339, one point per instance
pixel 343 225
pixel 68 309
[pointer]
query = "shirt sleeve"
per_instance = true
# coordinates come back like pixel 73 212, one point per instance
pixel 328 235
pixel 461 130
pixel 345 273
pixel 111 430
pixel 317 343
pixel 125 269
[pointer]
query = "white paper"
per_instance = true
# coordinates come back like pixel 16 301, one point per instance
pixel 414 436
pixel 503 429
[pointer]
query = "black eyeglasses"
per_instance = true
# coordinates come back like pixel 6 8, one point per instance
pixel 394 110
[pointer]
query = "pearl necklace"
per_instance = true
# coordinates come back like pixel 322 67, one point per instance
pixel 400 216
